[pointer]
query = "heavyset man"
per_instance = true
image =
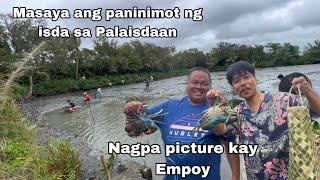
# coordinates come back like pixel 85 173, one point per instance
pixel 180 120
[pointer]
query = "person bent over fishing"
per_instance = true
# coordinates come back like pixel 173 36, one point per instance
pixel 86 98
pixel 178 122
pixel 264 121
pixel 72 106
pixel 99 93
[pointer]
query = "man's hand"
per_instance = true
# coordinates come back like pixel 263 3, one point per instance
pixel 220 129
pixel 134 127
pixel 312 96
pixel 133 107
pixel 304 85
pixel 212 95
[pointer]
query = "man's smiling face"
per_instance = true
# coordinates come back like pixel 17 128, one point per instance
pixel 198 86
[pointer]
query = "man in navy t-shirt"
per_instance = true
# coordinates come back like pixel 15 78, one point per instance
pixel 179 121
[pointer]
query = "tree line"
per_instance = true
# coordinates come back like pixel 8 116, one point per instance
pixel 63 58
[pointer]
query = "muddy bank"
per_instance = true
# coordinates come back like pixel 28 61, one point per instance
pixel 91 167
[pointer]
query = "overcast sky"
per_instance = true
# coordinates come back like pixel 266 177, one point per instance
pixel 237 21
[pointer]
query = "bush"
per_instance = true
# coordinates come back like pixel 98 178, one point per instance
pixel 55 86
pixel 63 160
pixel 21 155
pixel 59 86
pixel 87 84
pixel 18 93
pixel 8 110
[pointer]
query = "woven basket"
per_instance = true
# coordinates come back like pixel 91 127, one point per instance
pixel 302 150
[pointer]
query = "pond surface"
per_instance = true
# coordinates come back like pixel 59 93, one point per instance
pixel 103 120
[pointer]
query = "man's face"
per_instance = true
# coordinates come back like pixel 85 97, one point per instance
pixel 244 84
pixel 198 86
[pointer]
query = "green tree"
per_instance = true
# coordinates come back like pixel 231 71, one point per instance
pixel 191 58
pixel 5 52
pixel 23 34
pixel 312 53
pixel 257 55
pixel 106 50
pixel 87 63
pixel 224 54
pixel 130 61
pixel 60 57
pixel 290 54
pixel 154 58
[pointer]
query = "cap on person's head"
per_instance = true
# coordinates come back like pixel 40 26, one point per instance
pixel 85 93
pixel 285 83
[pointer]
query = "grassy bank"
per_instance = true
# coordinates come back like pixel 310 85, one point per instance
pixel 23 157
pixel 58 86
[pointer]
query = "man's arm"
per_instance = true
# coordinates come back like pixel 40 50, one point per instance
pixel 314 102
pixel 155 109
pixel 234 163
pixel 311 95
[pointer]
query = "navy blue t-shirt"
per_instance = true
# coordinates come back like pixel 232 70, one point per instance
pixel 179 123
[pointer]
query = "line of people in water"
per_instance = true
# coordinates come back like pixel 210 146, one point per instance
pixel 284 86
pixel 87 98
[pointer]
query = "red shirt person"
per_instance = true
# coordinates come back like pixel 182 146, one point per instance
pixel 86 97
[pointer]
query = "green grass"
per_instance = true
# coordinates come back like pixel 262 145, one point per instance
pixel 63 161
pixel 23 157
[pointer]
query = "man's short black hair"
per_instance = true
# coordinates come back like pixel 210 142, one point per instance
pixel 285 83
pixel 205 70
pixel 237 68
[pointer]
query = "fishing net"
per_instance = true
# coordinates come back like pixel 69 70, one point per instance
pixel 302 153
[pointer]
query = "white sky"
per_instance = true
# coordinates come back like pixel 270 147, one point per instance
pixel 237 21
